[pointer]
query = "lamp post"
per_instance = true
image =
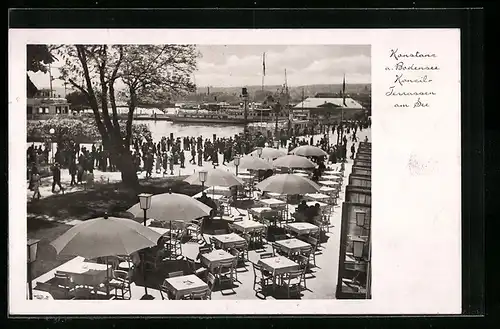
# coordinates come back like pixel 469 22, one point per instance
pixel 259 151
pixel 203 178
pixel 145 203
pixel 361 219
pixel 358 247
pixel 237 163
pixel 31 247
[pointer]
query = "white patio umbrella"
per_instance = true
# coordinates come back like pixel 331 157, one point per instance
pixel 268 153
pixel 293 162
pixel 288 184
pixel 215 177
pixel 172 207
pixel 254 163
pixel 308 151
pixel 105 236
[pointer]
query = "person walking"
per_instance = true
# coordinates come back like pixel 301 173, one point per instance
pixel 56 177
pixel 36 185
pixel 193 156
pixel 353 150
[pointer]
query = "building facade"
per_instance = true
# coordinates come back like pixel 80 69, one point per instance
pixel 45 104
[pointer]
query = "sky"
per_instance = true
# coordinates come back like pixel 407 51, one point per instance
pixel 241 65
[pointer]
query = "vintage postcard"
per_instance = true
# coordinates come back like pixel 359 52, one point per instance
pixel 234 171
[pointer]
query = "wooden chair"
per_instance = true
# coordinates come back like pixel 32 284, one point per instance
pixel 194 229
pixel 200 272
pixel 303 262
pixel 310 253
pixel 261 277
pixel 175 274
pixel 164 292
pixel 214 242
pixel 226 271
pixel 63 282
pixel 276 249
pixel 121 281
pixel 266 255
pixel 211 281
pixel 292 281
pixel 242 248
pixel 201 294
pixel 206 249
pixel 126 264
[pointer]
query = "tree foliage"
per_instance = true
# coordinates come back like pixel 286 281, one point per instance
pixel 105 73
pixel 81 129
pixel 78 100
pixel 38 58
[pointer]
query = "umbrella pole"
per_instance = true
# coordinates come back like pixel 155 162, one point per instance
pixel 144 260
pixel 107 276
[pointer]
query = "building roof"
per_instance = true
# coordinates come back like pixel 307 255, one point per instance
pixel 314 102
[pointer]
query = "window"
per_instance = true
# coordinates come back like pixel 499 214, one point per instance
pixel 58 109
pixel 29 109
pixel 40 110
pixel 46 110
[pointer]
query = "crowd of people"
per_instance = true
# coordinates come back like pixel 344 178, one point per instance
pixel 161 156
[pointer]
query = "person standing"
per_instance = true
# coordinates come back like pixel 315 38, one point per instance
pixel 193 156
pixel 171 163
pixel 200 157
pixel 182 158
pixel 165 163
pixel 72 171
pixel 158 163
pixel 353 150
pixel 35 177
pixel 56 177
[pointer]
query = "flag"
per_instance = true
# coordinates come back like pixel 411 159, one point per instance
pixel 343 91
pixel 264 64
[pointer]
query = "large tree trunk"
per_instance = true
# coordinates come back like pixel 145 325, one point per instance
pixel 127 168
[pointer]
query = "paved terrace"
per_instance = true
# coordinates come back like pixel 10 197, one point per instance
pixel 321 280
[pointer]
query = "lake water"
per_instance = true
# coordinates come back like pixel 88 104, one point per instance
pixel 164 128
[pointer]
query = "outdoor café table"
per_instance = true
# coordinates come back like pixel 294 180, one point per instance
pixel 161 230
pixel 332 172
pixel 328 182
pixel 183 285
pixel 301 174
pixel 212 259
pixel 86 273
pixel 331 177
pixel 245 176
pixel 273 203
pixel 278 266
pixel 218 190
pixel 317 196
pixel 292 246
pixel 245 226
pixel 258 211
pixel 302 228
pixel 41 295
pixel 300 171
pixel 227 240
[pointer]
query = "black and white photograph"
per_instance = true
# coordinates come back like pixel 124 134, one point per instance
pixel 218 171
pixel 212 172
